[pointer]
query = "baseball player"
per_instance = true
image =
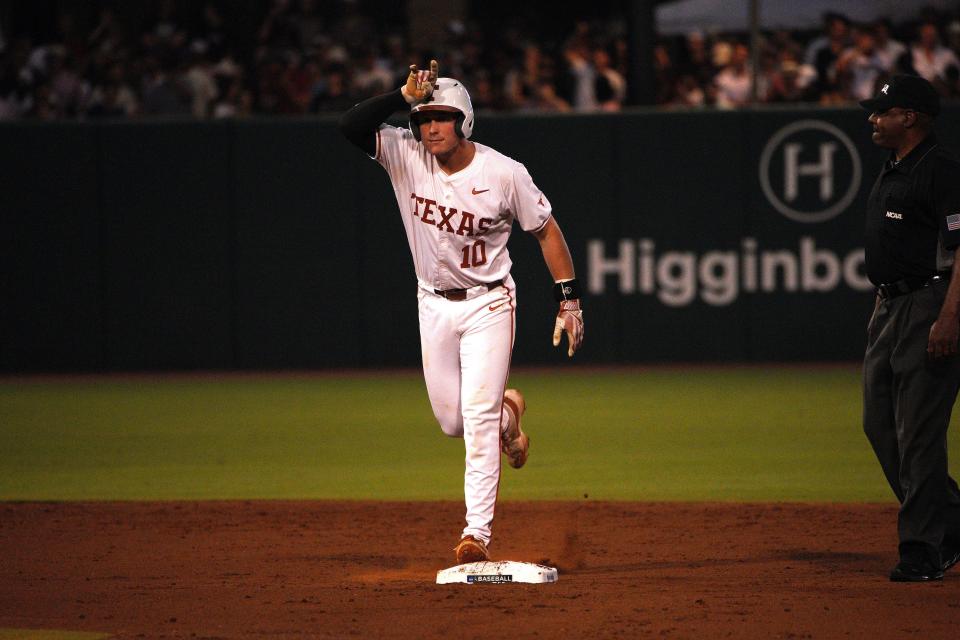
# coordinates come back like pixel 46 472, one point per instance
pixel 458 200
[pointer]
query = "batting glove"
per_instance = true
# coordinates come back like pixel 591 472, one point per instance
pixel 569 321
pixel 420 84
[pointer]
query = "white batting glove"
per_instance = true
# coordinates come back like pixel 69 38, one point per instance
pixel 569 321
pixel 420 84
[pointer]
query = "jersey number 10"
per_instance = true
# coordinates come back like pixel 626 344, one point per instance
pixel 474 255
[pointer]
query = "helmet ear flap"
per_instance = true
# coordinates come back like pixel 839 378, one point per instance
pixel 414 127
pixel 459 124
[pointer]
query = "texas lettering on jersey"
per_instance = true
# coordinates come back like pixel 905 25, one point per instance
pixel 446 214
pixel 458 225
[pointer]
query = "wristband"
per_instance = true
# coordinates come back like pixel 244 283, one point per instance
pixel 566 290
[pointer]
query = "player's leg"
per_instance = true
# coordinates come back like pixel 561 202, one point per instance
pixel 485 350
pixel 514 441
pixel 440 350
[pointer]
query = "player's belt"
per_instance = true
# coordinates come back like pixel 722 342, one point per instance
pixel 461 294
pixel 909 285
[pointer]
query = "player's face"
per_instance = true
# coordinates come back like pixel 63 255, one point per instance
pixel 438 131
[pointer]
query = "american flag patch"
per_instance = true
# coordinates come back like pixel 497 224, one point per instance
pixel 953 222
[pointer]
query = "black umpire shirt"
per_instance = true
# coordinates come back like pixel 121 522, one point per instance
pixel 913 215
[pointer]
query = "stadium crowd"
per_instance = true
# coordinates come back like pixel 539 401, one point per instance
pixel 304 56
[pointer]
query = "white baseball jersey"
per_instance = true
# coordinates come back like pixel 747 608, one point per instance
pixel 458 225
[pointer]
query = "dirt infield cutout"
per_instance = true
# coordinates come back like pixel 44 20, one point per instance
pixel 368 569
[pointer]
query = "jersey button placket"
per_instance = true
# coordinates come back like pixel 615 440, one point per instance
pixel 443 272
pixel 442 247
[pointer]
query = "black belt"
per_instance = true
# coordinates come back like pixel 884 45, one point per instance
pixel 909 285
pixel 461 294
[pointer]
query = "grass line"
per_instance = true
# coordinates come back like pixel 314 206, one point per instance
pixel 672 433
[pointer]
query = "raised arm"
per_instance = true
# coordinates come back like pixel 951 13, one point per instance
pixel 360 123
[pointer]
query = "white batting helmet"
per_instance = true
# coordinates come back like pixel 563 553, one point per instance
pixel 448 94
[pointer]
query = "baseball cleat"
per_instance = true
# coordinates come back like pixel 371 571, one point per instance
pixel 513 441
pixel 471 550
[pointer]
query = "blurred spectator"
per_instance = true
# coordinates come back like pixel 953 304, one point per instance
pixel 545 98
pixel 733 83
pixel 953 35
pixel 164 93
pixel 370 76
pixel 835 31
pixel 107 103
pixel 791 81
pixel 823 53
pixel 275 93
pixel 931 59
pixel 395 59
pixel 115 98
pixel 16 91
pixel 334 95
pixel 689 93
pixel 200 83
pixel 67 91
pixel 611 87
pixel 890 51
pixel 42 106
pixel 665 75
pixel 521 82
pixel 861 66
pixel 581 76
pixel 278 57
pixel 695 60
pixel 235 101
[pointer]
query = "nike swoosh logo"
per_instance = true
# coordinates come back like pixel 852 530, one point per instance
pixel 495 307
pixel 476 193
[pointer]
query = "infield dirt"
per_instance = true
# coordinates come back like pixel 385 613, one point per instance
pixel 367 569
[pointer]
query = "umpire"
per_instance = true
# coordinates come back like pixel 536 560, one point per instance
pixel 911 370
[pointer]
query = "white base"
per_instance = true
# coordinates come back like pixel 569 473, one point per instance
pixel 497 573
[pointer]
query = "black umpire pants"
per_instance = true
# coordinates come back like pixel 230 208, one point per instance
pixel 907 401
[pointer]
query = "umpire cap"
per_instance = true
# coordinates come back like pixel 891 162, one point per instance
pixel 907 92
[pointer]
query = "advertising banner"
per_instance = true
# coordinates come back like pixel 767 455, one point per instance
pixel 268 244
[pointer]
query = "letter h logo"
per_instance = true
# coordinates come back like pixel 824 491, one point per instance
pixel 837 167
pixel 792 170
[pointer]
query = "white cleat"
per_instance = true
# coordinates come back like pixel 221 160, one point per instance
pixel 514 442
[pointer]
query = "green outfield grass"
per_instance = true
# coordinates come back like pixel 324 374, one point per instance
pixel 663 434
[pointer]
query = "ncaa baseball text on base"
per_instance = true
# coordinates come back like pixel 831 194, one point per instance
pixel 719 276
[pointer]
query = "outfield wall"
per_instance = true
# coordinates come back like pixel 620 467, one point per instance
pixel 731 236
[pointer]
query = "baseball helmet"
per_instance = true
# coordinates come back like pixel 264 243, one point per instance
pixel 449 94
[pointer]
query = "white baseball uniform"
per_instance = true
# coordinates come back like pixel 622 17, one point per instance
pixel 457 227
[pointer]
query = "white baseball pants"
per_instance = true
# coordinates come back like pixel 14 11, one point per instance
pixel 466 347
